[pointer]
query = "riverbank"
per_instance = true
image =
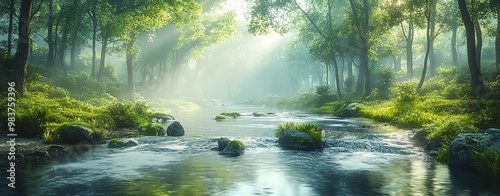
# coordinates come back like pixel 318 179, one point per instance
pixel 33 150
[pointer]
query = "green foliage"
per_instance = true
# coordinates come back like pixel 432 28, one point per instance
pixel 311 129
pixel 349 84
pixel 128 114
pixel 487 161
pixel 384 81
pixel 150 129
pixel 323 90
pixel 443 151
pixel 449 129
pixel 405 91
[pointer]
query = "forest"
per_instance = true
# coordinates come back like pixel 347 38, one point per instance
pixel 110 65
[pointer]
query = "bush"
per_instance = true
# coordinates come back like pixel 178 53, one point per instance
pixel 405 92
pixel 129 114
pixel 384 81
pixel 311 129
pixel 231 114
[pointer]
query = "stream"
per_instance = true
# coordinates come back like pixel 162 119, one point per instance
pixel 362 158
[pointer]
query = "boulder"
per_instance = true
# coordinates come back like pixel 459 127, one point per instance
pixel 350 110
pixel 462 148
pixel 122 143
pixel 175 129
pixel 222 143
pixel 75 134
pixel 296 140
pixel 233 148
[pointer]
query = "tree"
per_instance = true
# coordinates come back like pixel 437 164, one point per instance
pixel 23 45
pixel 474 68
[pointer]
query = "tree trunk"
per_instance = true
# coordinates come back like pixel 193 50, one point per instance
pixel 475 69
pixel 92 14
pixel 103 57
pixel 130 70
pixel 454 53
pixel 479 42
pixel 349 66
pixel 72 57
pixel 432 35
pixel 337 79
pixel 427 51
pixel 50 38
pixel 23 44
pixel 11 27
pixel 409 48
pixel 497 42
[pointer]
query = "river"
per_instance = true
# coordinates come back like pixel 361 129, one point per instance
pixel 362 158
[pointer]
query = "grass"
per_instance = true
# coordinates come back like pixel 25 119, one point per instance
pixel 487 161
pixel 311 129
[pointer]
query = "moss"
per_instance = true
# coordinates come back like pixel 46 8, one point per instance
pixel 220 117
pixel 150 129
pixel 311 129
pixel 238 144
pixel 115 142
pixel 231 114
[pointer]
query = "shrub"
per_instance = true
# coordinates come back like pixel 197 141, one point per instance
pixel 311 129
pixel 323 90
pixel 128 115
pixel 405 92
pixel 384 80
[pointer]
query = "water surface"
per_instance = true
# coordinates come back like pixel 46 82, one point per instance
pixel 361 159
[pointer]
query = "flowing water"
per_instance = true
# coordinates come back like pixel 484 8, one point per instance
pixel 361 159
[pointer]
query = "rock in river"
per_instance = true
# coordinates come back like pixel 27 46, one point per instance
pixel 233 148
pixel 351 110
pixel 463 147
pixel 222 143
pixel 75 134
pixel 175 129
pixel 120 143
pixel 297 140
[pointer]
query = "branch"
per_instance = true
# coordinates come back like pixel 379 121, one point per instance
pixel 356 19
pixel 310 20
pixel 38 8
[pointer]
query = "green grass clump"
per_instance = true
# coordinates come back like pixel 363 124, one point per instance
pixel 311 129
pixel 150 129
pixel 487 161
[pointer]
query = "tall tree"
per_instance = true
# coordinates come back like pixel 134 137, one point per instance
pixel 474 68
pixel 362 25
pixel 23 45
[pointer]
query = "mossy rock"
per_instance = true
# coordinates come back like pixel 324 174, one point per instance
pixel 234 148
pixel 151 129
pixel 299 136
pixel 258 114
pixel 220 117
pixel 231 114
